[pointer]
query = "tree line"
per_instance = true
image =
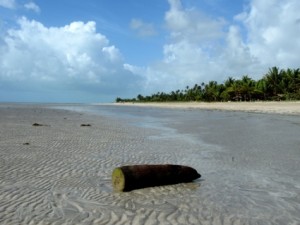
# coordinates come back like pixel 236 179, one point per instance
pixel 276 84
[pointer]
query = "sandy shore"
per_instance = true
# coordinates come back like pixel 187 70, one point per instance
pixel 291 108
pixel 59 172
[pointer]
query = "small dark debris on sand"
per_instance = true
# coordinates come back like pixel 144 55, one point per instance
pixel 37 125
pixel 85 125
pixel 26 143
pixel 40 125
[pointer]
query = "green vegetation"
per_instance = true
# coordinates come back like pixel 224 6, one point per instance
pixel 275 85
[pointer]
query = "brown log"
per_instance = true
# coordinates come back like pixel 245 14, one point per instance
pixel 127 178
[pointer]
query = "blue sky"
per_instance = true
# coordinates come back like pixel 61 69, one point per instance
pixel 97 50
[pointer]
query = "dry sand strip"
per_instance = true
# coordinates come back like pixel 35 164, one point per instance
pixel 284 107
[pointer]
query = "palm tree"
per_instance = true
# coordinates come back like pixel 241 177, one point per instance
pixel 237 90
pixel 140 97
pixel 261 89
pixel 229 82
pixel 273 79
pixel 247 87
pixel 197 92
pixel 211 91
pixel 274 85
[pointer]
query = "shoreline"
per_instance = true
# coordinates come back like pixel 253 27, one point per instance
pixel 284 107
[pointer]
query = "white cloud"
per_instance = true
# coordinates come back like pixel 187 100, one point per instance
pixel 112 53
pixel 192 24
pixel 73 57
pixel 32 6
pixel 190 56
pixel 143 29
pixel 199 48
pixel 202 48
pixel 273 31
pixel 10 4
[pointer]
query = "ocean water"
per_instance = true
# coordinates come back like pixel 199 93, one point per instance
pixel 250 162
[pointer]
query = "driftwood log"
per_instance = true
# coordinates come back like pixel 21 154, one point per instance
pixel 127 178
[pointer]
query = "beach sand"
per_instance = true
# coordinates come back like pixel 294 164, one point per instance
pixel 283 107
pixel 59 172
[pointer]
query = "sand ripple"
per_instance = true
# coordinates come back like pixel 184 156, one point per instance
pixel 62 176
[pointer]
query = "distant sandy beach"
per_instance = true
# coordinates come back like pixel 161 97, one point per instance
pixel 283 107
pixel 56 165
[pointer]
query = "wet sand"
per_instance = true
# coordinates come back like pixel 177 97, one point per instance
pixel 284 107
pixel 59 172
